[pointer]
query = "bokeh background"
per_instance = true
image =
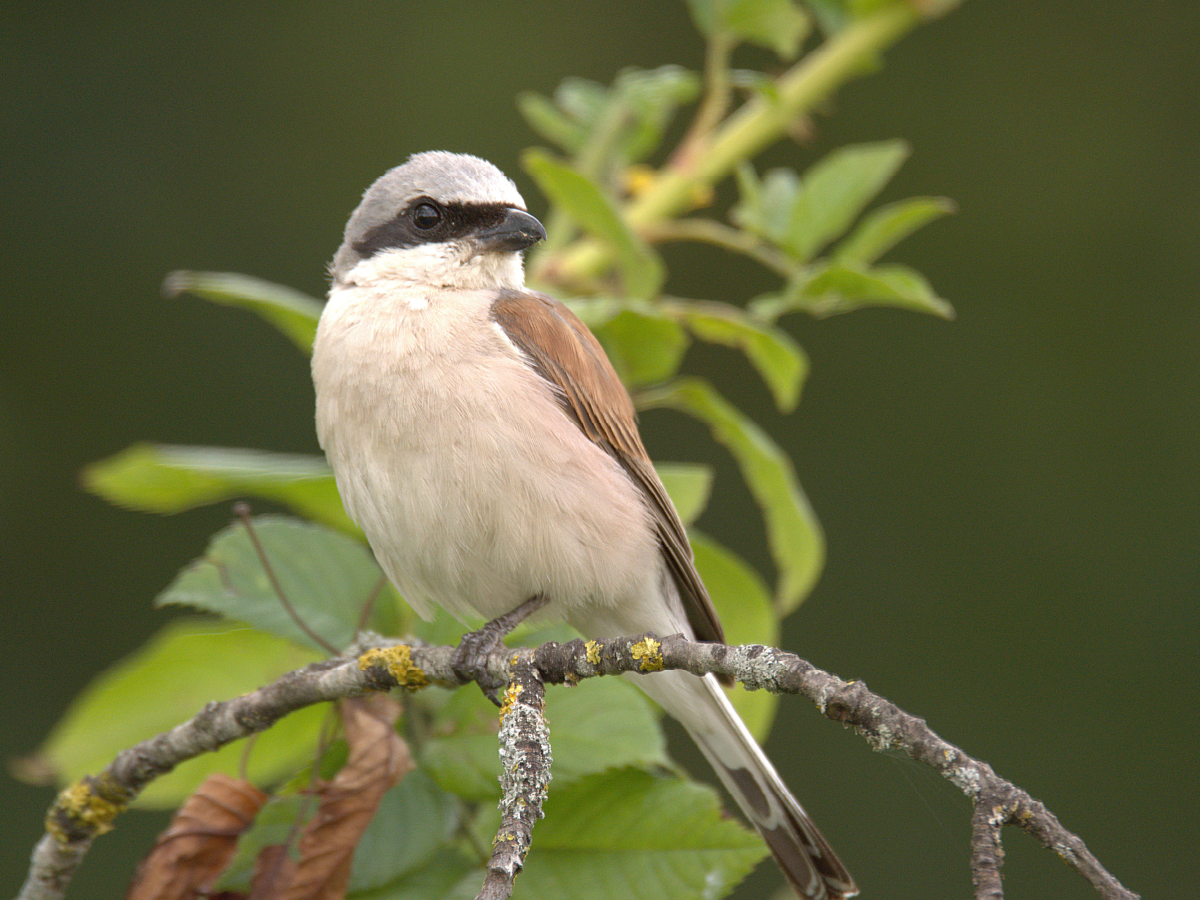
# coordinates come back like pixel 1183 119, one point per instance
pixel 1010 500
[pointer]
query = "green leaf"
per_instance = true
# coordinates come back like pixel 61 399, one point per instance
pixel 688 485
pixel 582 99
pixel 793 533
pixel 802 215
pixel 744 605
pixel 627 833
pixel 601 724
pixel 293 313
pixel 778 358
pixel 765 205
pixel 704 15
pixel 647 99
pixel 448 875
pixel 551 123
pixel 831 15
pixel 414 820
pixel 840 288
pixel 643 345
pixel 168 479
pixel 641 269
pixel 463 756
pixel 327 578
pixel 604 723
pixel 184 666
pixel 776 24
pixel 882 229
pixel 837 189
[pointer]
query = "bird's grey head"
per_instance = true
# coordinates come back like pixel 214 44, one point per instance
pixel 441 220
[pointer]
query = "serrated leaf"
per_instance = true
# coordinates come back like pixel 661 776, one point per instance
pixel 463 756
pixel 885 227
pixel 780 361
pixel 293 313
pixel 776 24
pixel 644 346
pixel 744 604
pixel 326 577
pixel 184 666
pixel 765 205
pixel 641 269
pixel 627 833
pixel 688 485
pixel 163 478
pixel 793 534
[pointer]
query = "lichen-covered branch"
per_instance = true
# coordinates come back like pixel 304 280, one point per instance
pixel 88 808
pixel 524 775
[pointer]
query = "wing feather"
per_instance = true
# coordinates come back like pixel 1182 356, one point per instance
pixel 565 353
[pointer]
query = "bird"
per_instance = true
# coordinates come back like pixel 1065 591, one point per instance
pixel 482 441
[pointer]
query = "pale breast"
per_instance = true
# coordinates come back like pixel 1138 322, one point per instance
pixel 474 489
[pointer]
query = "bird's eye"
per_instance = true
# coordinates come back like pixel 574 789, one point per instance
pixel 426 216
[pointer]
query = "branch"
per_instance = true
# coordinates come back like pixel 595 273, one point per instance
pixel 87 809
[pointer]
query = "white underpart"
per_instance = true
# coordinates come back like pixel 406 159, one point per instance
pixel 475 490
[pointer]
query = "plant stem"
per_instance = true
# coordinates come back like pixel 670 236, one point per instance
pixel 754 126
pixel 710 231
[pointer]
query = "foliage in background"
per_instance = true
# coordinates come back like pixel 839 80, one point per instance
pixel 611 208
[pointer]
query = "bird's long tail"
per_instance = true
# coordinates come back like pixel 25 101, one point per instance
pixel 807 860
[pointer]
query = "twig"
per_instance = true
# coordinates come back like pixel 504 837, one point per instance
pixel 524 775
pixel 88 808
pixel 242 511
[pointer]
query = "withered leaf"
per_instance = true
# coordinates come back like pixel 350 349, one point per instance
pixel 377 759
pixel 199 842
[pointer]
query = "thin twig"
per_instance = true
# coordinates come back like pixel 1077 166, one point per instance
pixel 88 808
pixel 242 511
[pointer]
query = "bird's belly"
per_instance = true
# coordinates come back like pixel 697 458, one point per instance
pixel 476 498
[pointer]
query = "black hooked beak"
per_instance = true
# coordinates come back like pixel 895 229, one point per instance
pixel 518 230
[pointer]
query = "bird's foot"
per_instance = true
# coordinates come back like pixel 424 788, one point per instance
pixel 471 655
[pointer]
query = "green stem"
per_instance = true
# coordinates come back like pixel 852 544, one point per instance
pixel 710 231
pixel 756 125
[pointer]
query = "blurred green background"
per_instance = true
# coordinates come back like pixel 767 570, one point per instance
pixel 1010 500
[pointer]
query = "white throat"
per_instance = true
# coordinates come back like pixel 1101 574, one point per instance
pixel 454 265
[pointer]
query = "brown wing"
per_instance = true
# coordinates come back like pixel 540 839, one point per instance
pixel 567 354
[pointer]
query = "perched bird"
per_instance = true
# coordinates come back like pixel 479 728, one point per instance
pixel 484 444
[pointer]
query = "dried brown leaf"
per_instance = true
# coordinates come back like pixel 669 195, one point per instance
pixel 378 759
pixel 273 872
pixel 199 842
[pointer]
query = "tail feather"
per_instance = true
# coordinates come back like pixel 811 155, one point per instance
pixel 801 851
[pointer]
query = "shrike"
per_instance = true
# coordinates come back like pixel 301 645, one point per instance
pixel 484 444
